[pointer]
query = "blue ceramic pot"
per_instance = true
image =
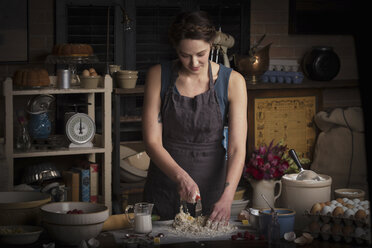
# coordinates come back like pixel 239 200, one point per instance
pixel 39 126
pixel 286 219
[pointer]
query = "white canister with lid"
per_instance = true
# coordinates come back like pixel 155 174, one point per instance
pixel 301 195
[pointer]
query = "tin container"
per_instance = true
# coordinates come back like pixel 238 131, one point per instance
pixel 64 79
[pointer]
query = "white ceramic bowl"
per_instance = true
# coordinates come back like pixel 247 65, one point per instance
pixel 71 229
pixel 56 212
pixel 89 82
pixel 126 83
pixel 130 174
pixel 139 160
pixel 126 72
pixel 126 76
pixel 237 206
pixel 126 151
pixel 19 234
pixel 72 234
pixel 21 208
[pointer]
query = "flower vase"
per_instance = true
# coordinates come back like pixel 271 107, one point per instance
pixel 267 188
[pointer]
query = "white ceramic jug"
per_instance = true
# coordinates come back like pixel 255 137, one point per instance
pixel 267 188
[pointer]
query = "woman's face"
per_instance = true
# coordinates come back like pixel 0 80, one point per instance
pixel 194 55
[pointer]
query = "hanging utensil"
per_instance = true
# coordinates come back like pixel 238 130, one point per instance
pixel 304 174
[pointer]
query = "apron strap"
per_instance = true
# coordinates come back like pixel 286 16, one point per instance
pixel 211 84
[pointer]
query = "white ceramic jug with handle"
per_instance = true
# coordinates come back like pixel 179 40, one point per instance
pixel 267 188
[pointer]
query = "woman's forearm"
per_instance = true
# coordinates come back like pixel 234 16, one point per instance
pixel 235 164
pixel 164 161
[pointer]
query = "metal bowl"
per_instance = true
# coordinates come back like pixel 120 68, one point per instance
pixel 40 172
pixel 40 104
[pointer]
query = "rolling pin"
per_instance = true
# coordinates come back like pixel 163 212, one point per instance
pixel 117 221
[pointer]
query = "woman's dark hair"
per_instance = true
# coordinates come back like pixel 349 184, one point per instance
pixel 194 25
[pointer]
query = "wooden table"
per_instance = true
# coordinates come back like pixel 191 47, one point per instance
pixel 107 240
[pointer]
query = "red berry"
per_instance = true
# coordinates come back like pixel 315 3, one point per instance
pixel 240 235
pixel 262 237
pixel 234 237
pixel 252 237
pixel 246 234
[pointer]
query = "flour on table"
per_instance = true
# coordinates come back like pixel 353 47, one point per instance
pixel 186 225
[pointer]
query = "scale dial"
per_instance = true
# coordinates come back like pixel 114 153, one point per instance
pixel 80 128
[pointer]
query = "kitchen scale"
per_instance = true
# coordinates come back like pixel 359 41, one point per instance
pixel 80 129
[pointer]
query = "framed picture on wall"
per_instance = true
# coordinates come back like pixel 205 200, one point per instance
pixel 285 115
pixel 13 31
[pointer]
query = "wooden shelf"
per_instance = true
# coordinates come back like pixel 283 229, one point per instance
pixel 134 142
pixel 102 142
pixel 58 152
pixel 55 91
pixel 306 84
pixel 138 90
pixel 129 118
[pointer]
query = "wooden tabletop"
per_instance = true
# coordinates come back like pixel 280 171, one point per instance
pixel 107 240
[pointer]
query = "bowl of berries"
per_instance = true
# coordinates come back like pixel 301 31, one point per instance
pixel 69 223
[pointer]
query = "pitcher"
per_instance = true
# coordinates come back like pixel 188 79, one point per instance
pixel 266 187
pixel 142 217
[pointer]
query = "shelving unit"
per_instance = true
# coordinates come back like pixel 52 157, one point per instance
pixel 119 97
pixel 102 142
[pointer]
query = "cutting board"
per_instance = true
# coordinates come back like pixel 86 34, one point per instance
pixel 172 238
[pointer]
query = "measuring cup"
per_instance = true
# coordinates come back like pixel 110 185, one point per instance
pixel 142 217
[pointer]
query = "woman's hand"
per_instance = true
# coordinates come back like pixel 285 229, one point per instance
pixel 221 212
pixel 187 188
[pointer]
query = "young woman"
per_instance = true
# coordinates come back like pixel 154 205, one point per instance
pixel 186 105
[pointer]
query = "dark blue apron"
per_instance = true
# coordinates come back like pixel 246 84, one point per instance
pixel 192 134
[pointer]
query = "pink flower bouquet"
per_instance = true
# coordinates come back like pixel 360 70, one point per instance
pixel 267 163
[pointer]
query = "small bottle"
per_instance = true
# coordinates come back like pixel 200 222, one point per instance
pixel 274 231
pixel 23 141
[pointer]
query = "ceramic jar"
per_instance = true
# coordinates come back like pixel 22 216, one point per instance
pixel 301 195
pixel 267 188
pixel 39 125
